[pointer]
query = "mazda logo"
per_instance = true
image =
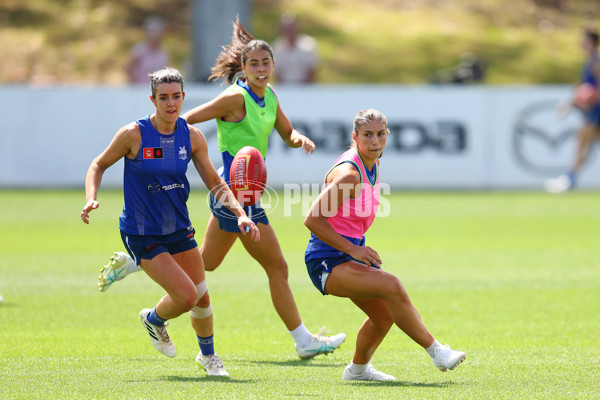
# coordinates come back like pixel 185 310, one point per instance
pixel 154 187
pixel 543 143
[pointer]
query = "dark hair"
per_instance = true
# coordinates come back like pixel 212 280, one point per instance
pixel 165 75
pixel 367 115
pixel 592 34
pixel 232 57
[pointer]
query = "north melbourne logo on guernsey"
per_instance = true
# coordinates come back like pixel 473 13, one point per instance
pixel 182 153
pixel 151 153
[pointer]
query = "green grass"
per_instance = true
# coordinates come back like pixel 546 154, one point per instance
pixel 511 278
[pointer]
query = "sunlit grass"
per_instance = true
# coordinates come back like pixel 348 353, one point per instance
pixel 511 278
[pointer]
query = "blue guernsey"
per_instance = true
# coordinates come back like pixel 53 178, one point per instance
pixel 587 76
pixel 155 186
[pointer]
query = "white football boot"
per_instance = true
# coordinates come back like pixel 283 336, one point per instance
pixel 212 364
pixel 370 374
pixel 445 358
pixel 115 270
pixel 559 185
pixel 158 335
pixel 320 344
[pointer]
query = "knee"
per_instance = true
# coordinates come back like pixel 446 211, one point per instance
pixel 187 298
pixel 278 270
pixel 393 288
pixel 210 266
pixel 210 261
pixel 204 301
pixel 383 322
pixel 202 309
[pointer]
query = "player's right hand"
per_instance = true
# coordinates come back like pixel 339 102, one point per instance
pixel 247 225
pixel 367 255
pixel 89 206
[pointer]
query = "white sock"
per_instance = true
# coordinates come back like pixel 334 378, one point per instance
pixel 301 336
pixel 431 349
pixel 358 369
pixel 132 267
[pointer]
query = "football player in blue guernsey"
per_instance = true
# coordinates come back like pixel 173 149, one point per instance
pixel 155 226
pixel 246 113
pixel 590 131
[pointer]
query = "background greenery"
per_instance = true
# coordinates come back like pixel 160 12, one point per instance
pixel 386 41
pixel 513 279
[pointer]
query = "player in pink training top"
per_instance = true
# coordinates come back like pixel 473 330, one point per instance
pixel 340 264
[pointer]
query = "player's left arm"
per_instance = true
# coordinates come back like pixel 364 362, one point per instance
pixel 290 136
pixel 216 184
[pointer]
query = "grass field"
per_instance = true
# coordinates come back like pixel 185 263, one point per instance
pixel 513 279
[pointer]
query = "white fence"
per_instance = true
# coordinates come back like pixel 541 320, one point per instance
pixel 441 137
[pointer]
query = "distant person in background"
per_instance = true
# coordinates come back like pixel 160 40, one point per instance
pixel 586 98
pixel 148 56
pixel 470 70
pixel 295 54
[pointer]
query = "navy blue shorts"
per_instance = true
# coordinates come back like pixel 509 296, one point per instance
pixel 593 116
pixel 228 220
pixel 148 246
pixel 320 268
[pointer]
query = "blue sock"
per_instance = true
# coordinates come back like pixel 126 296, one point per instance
pixel 207 345
pixel 154 319
pixel 572 177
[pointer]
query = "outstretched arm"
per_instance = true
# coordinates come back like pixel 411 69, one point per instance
pixel 227 105
pixel 290 136
pixel 125 142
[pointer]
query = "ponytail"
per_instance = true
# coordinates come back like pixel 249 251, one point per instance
pixel 232 57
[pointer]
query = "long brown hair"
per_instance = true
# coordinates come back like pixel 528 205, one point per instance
pixel 232 57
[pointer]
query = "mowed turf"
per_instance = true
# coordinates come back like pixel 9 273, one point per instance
pixel 513 279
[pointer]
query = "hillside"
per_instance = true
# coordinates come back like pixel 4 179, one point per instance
pixel 383 41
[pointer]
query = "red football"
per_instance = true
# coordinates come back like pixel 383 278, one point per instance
pixel 585 95
pixel 248 175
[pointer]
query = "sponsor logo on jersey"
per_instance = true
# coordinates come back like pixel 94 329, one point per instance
pixel 173 186
pixel 151 153
pixel 155 187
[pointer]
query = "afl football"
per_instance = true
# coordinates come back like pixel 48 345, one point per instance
pixel 248 176
pixel 585 96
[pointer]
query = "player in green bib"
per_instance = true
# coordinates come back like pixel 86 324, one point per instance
pixel 254 129
pixel 246 113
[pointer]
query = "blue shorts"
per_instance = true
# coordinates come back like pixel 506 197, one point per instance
pixel 320 268
pixel 148 246
pixel 593 116
pixel 228 220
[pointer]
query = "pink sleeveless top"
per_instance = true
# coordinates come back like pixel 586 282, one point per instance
pixel 354 216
